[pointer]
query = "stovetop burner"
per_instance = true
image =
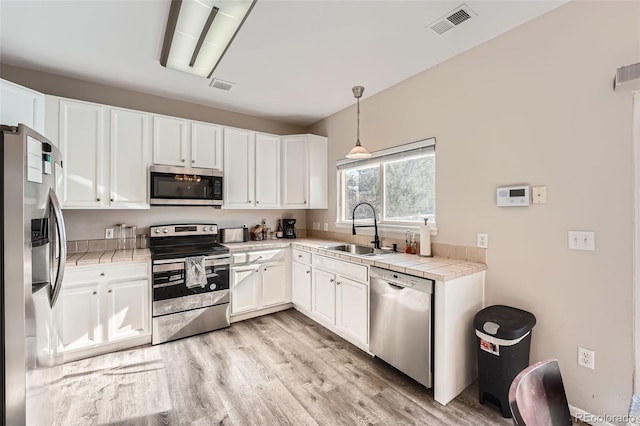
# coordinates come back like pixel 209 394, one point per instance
pixel 178 241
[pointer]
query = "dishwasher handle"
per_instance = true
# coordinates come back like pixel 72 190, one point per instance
pixel 396 286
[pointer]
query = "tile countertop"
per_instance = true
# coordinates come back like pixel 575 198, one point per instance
pixel 435 268
pixel 108 256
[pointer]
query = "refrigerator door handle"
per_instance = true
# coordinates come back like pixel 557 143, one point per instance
pixel 62 240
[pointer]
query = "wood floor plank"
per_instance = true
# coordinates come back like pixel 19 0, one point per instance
pixel 280 369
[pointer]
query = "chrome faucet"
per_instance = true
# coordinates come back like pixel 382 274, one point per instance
pixel 376 239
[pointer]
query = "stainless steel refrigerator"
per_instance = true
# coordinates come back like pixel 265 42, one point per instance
pixel 32 258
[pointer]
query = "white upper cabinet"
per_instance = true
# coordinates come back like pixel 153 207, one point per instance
pixel 129 156
pixel 81 140
pixel 20 104
pixel 267 163
pixel 239 166
pixel 206 146
pixel 178 142
pixel 252 169
pixel 170 141
pixel 304 172
pixel 106 156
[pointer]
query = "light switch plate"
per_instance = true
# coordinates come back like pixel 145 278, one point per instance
pixel 326 226
pixel 582 240
pixel 539 195
pixel 483 240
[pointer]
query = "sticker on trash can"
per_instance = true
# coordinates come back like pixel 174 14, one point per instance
pixel 492 348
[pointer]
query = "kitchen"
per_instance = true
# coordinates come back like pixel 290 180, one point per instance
pixel 514 119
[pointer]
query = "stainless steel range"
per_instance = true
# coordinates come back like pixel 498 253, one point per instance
pixel 183 307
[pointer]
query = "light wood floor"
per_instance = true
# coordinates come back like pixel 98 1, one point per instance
pixel 277 369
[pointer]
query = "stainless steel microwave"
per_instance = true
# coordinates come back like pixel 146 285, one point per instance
pixel 181 186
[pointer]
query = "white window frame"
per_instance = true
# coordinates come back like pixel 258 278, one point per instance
pixel 382 224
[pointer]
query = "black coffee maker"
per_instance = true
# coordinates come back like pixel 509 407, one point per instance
pixel 289 228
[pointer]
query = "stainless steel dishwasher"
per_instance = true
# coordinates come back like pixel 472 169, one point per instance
pixel 400 318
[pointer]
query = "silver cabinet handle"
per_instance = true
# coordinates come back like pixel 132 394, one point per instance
pixel 110 291
pixel 299 255
pixel 98 199
pixel 193 161
pixel 257 202
pixel 331 280
pixel 95 292
pixel 102 274
pixel 338 283
pixel 112 200
pixel 183 160
pixel 308 272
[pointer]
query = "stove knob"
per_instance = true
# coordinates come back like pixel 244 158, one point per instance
pixel 157 230
pixel 205 229
pixel 165 230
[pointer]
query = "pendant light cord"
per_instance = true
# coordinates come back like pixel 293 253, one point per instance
pixel 358 126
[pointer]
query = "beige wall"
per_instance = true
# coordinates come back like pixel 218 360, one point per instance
pixel 535 106
pixel 67 87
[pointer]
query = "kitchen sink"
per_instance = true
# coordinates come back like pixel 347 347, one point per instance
pixel 359 250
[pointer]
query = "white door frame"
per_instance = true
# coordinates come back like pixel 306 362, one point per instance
pixel 636 241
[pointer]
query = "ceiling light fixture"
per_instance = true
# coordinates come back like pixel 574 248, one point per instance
pixel 199 33
pixel 358 151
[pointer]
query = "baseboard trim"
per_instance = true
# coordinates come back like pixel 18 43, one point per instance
pixel 258 313
pixel 586 417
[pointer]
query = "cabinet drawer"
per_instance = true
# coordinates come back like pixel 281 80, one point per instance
pixel 258 256
pixel 301 256
pixel 340 267
pixel 83 274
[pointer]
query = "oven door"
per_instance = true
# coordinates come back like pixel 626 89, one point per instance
pixel 171 295
pixel 185 186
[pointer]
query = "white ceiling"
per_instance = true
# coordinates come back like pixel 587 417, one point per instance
pixel 292 61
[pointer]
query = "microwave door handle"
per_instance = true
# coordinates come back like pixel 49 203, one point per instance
pixel 62 241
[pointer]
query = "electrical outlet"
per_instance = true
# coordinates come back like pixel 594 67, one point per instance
pixel 586 358
pixel 483 241
pixel 582 240
pixel 108 233
pixel 326 226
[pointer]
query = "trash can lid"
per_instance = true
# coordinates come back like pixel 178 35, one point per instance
pixel 504 322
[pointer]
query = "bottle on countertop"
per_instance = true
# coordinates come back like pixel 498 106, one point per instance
pixel 279 230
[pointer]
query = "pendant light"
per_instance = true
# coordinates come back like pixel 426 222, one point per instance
pixel 358 151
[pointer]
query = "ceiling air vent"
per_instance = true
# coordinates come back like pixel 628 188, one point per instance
pixel 221 84
pixel 455 17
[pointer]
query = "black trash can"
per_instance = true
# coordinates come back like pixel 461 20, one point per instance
pixel 504 339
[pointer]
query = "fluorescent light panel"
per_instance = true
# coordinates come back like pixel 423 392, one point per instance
pixel 187 19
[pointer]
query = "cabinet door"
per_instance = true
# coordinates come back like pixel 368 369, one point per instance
pixel 352 308
pixel 245 289
pixel 324 299
pixel 169 141
pixel 129 159
pixel 301 286
pixel 127 309
pixel 21 105
pixel 78 313
pixel 275 289
pixel 206 146
pixel 239 167
pixel 317 154
pixel 267 171
pixel 294 172
pixel 82 145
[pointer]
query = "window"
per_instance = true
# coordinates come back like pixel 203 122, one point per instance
pixel 398 182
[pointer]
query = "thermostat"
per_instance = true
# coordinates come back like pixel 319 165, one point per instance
pixel 513 196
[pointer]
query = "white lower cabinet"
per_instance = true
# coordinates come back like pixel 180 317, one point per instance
pixel 245 288
pixel 333 292
pixel 352 308
pixel 301 284
pixel 324 295
pixel 261 284
pixel 103 308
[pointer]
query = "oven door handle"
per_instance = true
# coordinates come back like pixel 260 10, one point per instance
pixel 212 260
